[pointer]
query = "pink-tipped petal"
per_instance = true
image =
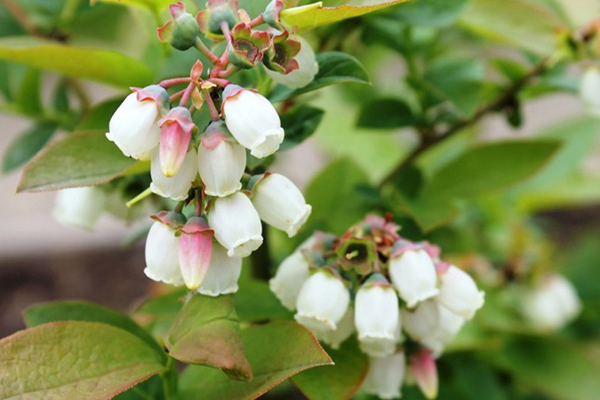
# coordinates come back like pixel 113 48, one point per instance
pixel 175 137
pixel 424 370
pixel 195 249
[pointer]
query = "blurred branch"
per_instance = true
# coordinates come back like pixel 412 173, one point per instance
pixel 21 16
pixel 499 103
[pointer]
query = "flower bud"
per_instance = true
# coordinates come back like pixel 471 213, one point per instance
pixel 80 207
pixel 178 186
pixel 589 90
pixel 552 303
pixel 252 120
pixel 413 275
pixel 377 317
pixel 133 127
pixel 182 31
pixel 221 163
pixel 345 328
pixel 459 293
pixel 322 302
pixel 385 376
pixel 162 250
pixel 236 224
pixel 195 249
pixel 246 47
pixel 423 368
pixel 291 275
pixel 308 67
pixel 223 273
pixel 280 203
pixel 175 135
pixel 216 13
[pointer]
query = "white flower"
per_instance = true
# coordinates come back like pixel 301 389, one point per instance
pixel 413 275
pixel 221 164
pixel 252 120
pixel 134 127
pixel 322 302
pixel 80 207
pixel 459 293
pixel 345 328
pixel 589 90
pixel 552 304
pixel 385 376
pixel 236 224
pixel 377 319
pixel 280 203
pixel 223 273
pixel 178 186
pixel 308 67
pixel 291 275
pixel 162 255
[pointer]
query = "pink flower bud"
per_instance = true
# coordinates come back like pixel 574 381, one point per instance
pixel 175 135
pixel 423 368
pixel 195 248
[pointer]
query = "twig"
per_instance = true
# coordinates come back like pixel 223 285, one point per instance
pixel 187 94
pixel 214 113
pixel 206 51
pixel 21 16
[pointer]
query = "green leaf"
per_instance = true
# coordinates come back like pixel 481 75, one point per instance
pixel 556 367
pixel 313 15
pixel 490 167
pixel 255 302
pixel 95 64
pixel 511 69
pixel 25 146
pixel 87 312
pixel 206 332
pixel 150 389
pixel 74 360
pixel 276 352
pixel 157 314
pixel 334 68
pixel 60 97
pixel 429 12
pixel 152 5
pixel 334 195
pixel 79 159
pixel 524 23
pixel 335 382
pixel 300 124
pixel 29 96
pixel 385 114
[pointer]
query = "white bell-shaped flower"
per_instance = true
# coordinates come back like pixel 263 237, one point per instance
pixel 377 318
pixel 252 120
pixel 552 304
pixel 236 224
pixel 134 126
pixel 177 186
pixel 80 207
pixel 162 255
pixel 221 164
pixel 280 203
pixel 589 90
pixel 307 67
pixel 413 275
pixel 322 302
pixel 345 329
pixel 385 376
pixel 459 293
pixel 223 273
pixel 291 275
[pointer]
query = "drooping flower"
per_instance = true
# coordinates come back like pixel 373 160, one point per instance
pixel 223 273
pixel 195 249
pixel 307 69
pixel 413 274
pixel 423 368
pixel 280 203
pixel 377 317
pixel 344 329
pixel 177 186
pixel 459 293
pixel 291 275
pixel 175 136
pixel 322 302
pixel 236 224
pixel 133 127
pixel 385 376
pixel 221 162
pixel 252 120
pixel 80 207
pixel 162 249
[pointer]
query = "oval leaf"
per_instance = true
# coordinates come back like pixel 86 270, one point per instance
pixel 276 351
pixel 27 145
pixel 78 159
pixel 73 360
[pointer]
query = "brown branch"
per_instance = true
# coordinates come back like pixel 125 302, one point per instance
pixel 503 100
pixel 21 16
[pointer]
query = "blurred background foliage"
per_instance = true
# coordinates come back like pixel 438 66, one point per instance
pixel 508 207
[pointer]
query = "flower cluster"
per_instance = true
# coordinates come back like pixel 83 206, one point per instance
pixel 206 167
pixel 403 301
